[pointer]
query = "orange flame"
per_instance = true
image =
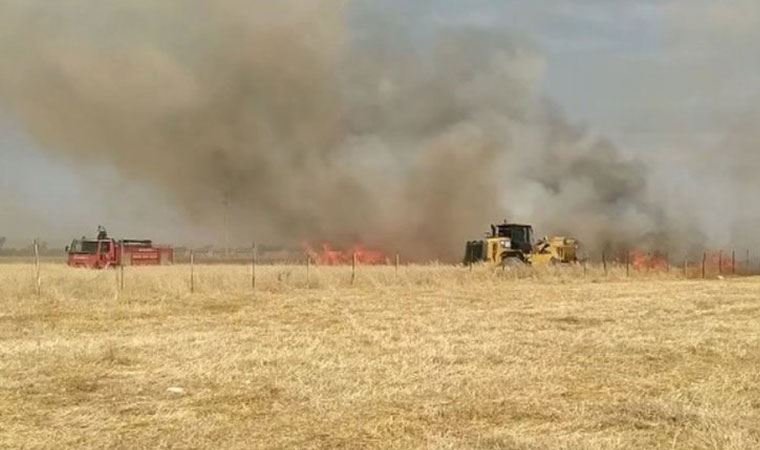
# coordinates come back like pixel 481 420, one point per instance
pixel 328 255
pixel 721 261
pixel 641 260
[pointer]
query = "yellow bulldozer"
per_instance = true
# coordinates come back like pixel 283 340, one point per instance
pixel 514 244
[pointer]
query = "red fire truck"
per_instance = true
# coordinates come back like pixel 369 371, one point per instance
pixel 105 252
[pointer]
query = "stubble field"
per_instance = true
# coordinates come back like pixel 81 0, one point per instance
pixel 429 357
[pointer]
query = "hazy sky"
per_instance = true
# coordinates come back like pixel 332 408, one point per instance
pixel 651 75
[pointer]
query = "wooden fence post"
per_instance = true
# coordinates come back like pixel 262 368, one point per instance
pixel 253 266
pixel 121 265
pixel 38 280
pixel 746 264
pixel 397 263
pixel 627 263
pixel 733 262
pixel 192 272
pixel 686 267
pixel 308 264
pixel 704 263
pixel 353 268
pixel 604 262
pixel 720 262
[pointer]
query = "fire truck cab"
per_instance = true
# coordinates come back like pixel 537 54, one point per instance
pixel 105 253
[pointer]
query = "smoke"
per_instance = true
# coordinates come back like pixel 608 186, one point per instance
pixel 717 45
pixel 309 129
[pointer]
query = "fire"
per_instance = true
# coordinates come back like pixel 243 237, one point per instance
pixel 326 254
pixel 714 261
pixel 641 260
pixel 719 261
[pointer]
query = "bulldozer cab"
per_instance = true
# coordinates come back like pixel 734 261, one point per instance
pixel 506 242
pixel 520 236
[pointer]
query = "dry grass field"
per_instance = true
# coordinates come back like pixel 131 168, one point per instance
pixel 434 357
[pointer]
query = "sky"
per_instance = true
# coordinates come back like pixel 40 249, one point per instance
pixel 651 76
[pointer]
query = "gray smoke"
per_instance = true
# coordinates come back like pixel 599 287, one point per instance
pixel 311 130
pixel 716 46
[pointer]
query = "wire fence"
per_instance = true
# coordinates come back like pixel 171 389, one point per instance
pixel 311 272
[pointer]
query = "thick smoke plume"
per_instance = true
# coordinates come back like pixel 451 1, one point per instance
pixel 310 129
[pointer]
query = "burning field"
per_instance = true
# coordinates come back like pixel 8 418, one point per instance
pixel 329 255
pixel 423 357
pixel 324 165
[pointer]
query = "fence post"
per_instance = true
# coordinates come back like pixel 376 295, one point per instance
pixel 397 263
pixel 353 268
pixel 627 263
pixel 253 266
pixel 746 264
pixel 704 263
pixel 604 262
pixel 192 272
pixel 733 262
pixel 308 264
pixel 720 262
pixel 38 280
pixel 121 265
pixel 686 267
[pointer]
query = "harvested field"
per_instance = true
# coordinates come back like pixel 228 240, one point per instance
pixel 431 357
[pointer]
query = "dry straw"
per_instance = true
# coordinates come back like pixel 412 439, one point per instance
pixel 429 357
